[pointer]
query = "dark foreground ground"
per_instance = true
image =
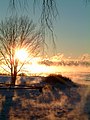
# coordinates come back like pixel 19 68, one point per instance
pixel 52 104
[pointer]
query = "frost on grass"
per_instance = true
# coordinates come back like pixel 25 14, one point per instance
pixel 61 99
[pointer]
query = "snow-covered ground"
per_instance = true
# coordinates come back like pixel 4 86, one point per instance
pixel 28 104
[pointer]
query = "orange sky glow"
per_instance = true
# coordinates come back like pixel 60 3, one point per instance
pixel 52 65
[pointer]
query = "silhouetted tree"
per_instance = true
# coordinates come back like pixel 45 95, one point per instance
pixel 15 34
pixel 47 15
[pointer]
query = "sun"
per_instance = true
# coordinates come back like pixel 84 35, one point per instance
pixel 21 55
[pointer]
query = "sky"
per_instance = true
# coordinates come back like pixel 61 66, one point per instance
pixel 72 26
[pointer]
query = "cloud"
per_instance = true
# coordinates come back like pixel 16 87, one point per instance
pixel 85 57
pixel 61 60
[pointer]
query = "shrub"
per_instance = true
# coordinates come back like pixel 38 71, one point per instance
pixel 58 81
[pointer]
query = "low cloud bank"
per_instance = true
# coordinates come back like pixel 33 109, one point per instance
pixel 61 60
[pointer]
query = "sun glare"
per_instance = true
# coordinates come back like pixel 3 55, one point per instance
pixel 21 55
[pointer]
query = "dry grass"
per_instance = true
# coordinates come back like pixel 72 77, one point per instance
pixel 59 81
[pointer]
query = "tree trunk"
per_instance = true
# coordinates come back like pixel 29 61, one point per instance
pixel 13 79
pixel 13 74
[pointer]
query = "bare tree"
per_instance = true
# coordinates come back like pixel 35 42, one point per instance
pixel 15 34
pixel 47 15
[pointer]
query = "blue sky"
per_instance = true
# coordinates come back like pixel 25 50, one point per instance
pixel 72 27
